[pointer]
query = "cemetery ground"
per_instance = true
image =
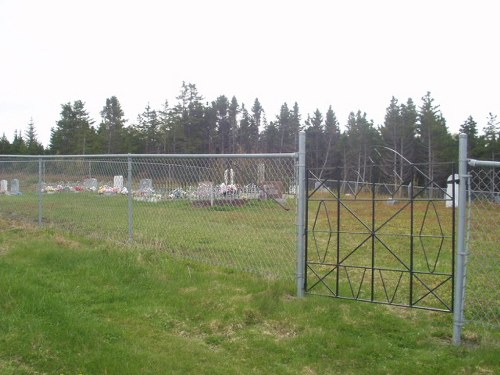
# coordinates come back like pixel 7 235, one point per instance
pixel 78 305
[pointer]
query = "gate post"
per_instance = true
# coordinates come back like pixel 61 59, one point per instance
pixel 40 195
pixel 301 214
pixel 130 199
pixel 458 308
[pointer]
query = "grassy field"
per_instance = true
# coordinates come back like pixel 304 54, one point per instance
pixel 342 234
pixel 73 305
pixel 260 236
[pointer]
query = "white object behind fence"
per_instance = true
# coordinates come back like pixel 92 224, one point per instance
pixel 452 184
pixel 118 182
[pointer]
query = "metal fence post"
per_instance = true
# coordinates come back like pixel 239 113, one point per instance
pixel 130 199
pixel 301 214
pixel 40 195
pixel 458 309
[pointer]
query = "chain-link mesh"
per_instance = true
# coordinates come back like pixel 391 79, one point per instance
pixel 482 298
pixel 235 211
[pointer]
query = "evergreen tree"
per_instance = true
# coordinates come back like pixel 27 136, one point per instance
pixel 5 147
pixel 283 124
pixel 295 127
pixel 74 133
pixel 33 146
pixel 398 137
pixel 469 127
pixel 314 141
pixel 361 138
pixel 148 127
pixel 331 137
pixel 436 144
pixel 233 111
pixel 18 146
pixel 245 136
pixel 492 138
pixel 271 138
pixel 257 112
pixel 110 132
pixel 210 128
pixel 223 124
pixel 409 118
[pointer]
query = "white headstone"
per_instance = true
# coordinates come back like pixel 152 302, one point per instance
pixel 14 186
pixel 146 184
pixel 229 176
pixel 4 186
pixel 449 190
pixel 261 173
pixel 118 182
pixel 90 184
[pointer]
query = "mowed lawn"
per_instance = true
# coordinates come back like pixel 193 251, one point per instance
pixel 72 305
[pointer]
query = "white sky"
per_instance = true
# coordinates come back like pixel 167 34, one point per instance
pixel 348 54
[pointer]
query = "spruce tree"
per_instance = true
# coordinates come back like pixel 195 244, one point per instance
pixel 110 132
pixel 332 136
pixel 436 144
pixel 469 127
pixel 33 146
pixel 5 147
pixel 74 133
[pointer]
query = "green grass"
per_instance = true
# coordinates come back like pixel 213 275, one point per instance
pixel 425 225
pixel 259 236
pixel 74 305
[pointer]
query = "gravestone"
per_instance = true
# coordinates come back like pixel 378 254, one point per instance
pixel 229 176
pixel 118 182
pixel 14 187
pixel 261 173
pixel 273 189
pixel 90 184
pixel 146 184
pixel 3 186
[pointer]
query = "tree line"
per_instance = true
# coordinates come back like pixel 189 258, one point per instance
pixel 409 133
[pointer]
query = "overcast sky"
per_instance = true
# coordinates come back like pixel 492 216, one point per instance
pixel 348 54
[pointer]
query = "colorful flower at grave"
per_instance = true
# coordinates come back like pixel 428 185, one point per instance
pixel 49 189
pixel 105 189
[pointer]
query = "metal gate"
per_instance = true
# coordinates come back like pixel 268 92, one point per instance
pixel 371 240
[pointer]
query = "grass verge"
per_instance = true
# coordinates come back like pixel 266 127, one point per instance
pixel 72 305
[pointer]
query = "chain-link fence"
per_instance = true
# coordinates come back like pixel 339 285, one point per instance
pixel 390 190
pixel 237 211
pixel 482 299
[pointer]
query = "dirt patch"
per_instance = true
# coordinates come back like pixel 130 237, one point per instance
pixel 220 202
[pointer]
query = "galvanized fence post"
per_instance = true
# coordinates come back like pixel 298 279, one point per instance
pixel 458 308
pixel 40 195
pixel 301 214
pixel 130 199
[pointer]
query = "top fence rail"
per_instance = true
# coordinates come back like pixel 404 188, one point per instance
pixel 171 156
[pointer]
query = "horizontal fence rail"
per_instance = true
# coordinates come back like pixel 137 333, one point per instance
pixel 236 211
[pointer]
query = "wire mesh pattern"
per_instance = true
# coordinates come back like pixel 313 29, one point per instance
pixel 384 243
pixel 482 294
pixel 236 211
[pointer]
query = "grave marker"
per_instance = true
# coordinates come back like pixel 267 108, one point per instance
pixel 118 182
pixel 90 184
pixel 4 186
pixel 14 187
pixel 146 184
